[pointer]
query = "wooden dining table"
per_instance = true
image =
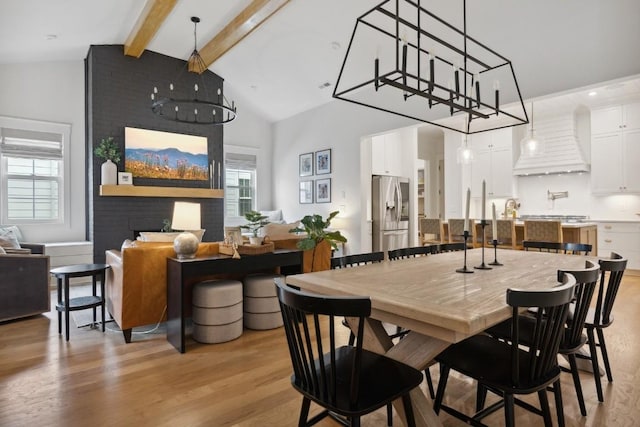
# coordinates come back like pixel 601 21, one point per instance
pixel 437 304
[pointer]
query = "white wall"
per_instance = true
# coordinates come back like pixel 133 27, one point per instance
pixel 339 126
pixel 532 194
pixel 251 131
pixel 52 91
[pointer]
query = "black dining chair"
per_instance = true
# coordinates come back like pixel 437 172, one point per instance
pixel 507 369
pixel 349 261
pixel 576 248
pixel 356 260
pixel 450 247
pixel 555 247
pixel 412 252
pixel 348 380
pixel 573 337
pixel 601 316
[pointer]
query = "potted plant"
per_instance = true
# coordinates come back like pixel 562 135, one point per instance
pixel 319 240
pixel 256 222
pixel 109 151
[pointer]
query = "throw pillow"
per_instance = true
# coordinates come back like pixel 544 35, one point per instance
pixel 155 236
pixel 151 236
pixel 273 216
pixel 8 239
pixel 15 230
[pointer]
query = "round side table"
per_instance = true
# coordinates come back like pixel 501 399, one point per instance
pixel 66 304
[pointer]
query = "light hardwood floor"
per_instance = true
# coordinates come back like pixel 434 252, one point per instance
pixel 96 379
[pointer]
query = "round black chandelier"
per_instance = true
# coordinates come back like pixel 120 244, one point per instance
pixel 195 105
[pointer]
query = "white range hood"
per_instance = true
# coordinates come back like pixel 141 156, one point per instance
pixel 562 153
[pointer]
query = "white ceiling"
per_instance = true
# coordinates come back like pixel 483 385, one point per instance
pixel 555 46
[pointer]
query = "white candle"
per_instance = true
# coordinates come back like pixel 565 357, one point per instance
pixel 484 199
pixel 494 224
pixel 466 214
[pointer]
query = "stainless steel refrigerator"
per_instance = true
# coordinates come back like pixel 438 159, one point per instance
pixel 390 212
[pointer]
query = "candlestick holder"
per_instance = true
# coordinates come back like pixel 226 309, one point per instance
pixel 483 266
pixel 464 269
pixel 495 253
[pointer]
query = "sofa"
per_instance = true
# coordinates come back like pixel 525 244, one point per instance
pixel 136 286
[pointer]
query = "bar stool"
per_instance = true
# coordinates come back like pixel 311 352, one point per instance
pixel 217 311
pixel 543 231
pixel 261 306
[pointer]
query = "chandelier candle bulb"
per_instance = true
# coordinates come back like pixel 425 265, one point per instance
pixel 466 213
pixel 494 224
pixel 484 201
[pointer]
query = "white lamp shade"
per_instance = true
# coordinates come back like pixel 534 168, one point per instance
pixel 186 216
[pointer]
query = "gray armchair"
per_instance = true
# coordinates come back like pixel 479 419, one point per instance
pixel 24 283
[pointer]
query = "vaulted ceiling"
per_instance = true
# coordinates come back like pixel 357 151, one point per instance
pixel 283 66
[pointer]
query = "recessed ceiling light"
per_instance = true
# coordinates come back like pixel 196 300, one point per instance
pixel 51 37
pixel 335 45
pixel 324 85
pixel 593 93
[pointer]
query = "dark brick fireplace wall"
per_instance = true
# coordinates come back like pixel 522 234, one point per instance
pixel 118 90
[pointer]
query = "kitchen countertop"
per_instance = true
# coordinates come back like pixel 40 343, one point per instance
pixel 589 223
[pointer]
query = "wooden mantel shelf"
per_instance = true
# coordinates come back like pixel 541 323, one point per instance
pixel 146 191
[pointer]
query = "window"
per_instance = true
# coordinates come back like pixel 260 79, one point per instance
pixel 32 171
pixel 240 183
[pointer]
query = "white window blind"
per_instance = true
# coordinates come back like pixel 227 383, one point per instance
pixel 240 183
pixel 32 171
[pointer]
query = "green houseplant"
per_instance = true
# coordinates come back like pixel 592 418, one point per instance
pixel 256 222
pixel 319 239
pixel 109 151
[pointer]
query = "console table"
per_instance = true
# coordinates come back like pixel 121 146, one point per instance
pixel 182 274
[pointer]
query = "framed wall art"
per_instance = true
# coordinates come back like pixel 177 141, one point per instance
pixel 306 164
pixel 306 192
pixel 323 190
pixel 125 178
pixel 323 162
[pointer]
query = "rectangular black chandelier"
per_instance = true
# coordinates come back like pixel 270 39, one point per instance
pixel 405 60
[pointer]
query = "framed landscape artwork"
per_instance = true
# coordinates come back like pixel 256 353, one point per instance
pixel 323 162
pixel 306 164
pixel 165 155
pixel 323 190
pixel 306 192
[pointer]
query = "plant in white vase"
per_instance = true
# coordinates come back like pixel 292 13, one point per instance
pixel 109 151
pixel 256 222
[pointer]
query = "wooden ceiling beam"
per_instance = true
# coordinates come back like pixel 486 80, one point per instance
pixel 148 23
pixel 241 26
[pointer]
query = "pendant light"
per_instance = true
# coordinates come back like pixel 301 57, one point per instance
pixel 532 145
pixel 464 154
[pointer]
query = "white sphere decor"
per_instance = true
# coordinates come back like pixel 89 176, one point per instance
pixel 186 245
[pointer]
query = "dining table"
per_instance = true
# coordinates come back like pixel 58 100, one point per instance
pixel 437 304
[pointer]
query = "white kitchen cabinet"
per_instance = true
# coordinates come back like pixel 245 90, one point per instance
pixel 492 163
pixel 615 149
pixel 386 155
pixel 622 238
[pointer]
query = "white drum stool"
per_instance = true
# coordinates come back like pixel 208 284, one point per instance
pixel 217 311
pixel 261 306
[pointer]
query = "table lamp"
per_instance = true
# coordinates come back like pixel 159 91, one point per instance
pixel 186 216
